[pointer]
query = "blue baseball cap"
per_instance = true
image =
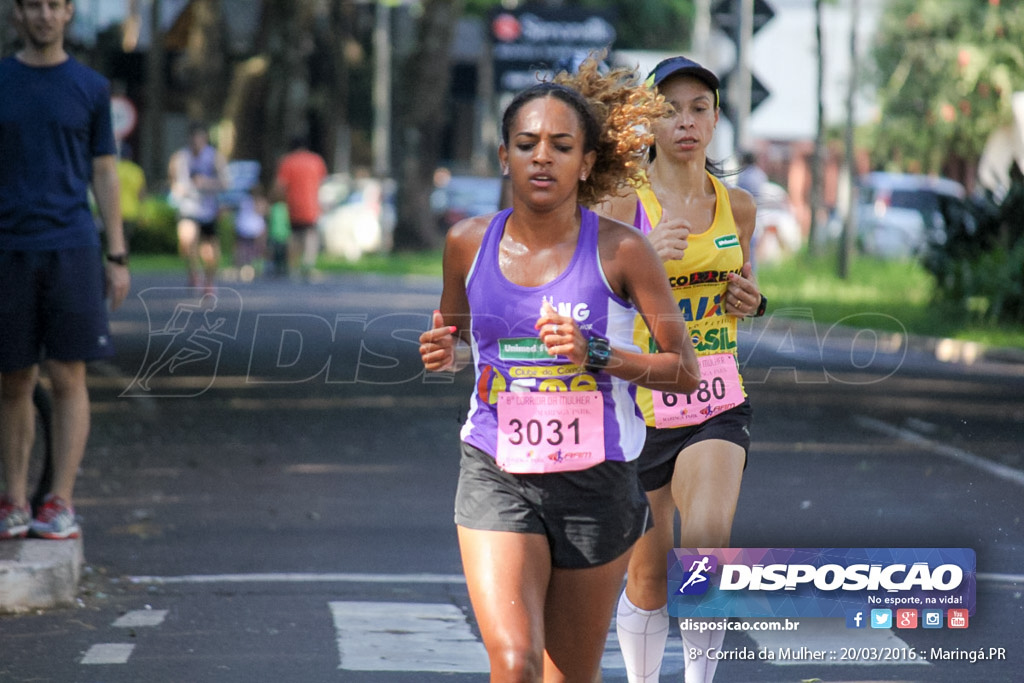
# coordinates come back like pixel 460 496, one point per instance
pixel 682 66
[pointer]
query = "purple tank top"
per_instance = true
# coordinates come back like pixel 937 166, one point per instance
pixel 508 355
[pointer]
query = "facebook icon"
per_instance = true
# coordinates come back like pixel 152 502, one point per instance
pixel 856 619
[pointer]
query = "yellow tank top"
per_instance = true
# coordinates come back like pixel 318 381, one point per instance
pixel 698 282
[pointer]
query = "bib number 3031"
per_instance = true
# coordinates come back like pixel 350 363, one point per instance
pixel 718 391
pixel 550 431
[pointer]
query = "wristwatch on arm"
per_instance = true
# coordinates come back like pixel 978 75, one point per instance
pixel 120 259
pixel 599 352
pixel 761 307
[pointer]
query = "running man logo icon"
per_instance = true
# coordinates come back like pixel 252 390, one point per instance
pixel 695 581
pixel 186 338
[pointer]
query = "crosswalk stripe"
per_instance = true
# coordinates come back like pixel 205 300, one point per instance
pixel 334 577
pixel 141 617
pixel 402 636
pixel 300 577
pixel 108 653
pixel 438 638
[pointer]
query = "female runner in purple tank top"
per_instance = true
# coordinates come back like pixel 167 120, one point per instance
pixel 549 505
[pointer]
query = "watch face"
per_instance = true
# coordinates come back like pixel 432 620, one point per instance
pixel 599 352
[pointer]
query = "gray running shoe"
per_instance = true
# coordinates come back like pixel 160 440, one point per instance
pixel 56 520
pixel 14 520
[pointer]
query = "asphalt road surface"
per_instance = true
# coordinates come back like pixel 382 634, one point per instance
pixel 267 496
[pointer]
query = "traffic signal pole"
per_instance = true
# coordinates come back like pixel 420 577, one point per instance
pixel 740 92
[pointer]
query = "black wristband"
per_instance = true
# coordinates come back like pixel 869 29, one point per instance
pixel 120 259
pixel 599 352
pixel 761 307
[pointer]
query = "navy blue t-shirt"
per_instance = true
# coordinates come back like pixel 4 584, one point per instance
pixel 53 121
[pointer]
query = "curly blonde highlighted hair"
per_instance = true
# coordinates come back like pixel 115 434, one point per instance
pixel 615 110
pixel 625 108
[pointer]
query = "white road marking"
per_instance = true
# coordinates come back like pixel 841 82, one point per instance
pixel 397 579
pixel 964 457
pixel 141 617
pixel 1000 578
pixel 411 637
pixel 403 636
pixel 302 578
pixel 108 653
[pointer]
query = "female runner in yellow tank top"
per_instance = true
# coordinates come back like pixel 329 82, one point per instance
pixel 697 444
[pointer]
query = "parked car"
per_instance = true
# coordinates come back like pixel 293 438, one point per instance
pixel 777 232
pixel 900 214
pixel 465 196
pixel 359 215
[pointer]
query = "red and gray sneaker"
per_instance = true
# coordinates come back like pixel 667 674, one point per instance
pixel 55 520
pixel 14 520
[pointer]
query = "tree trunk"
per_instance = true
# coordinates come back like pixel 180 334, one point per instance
pixel 850 160
pixel 334 39
pixel 286 43
pixel 245 111
pixel 152 140
pixel 205 65
pixel 421 97
pixel 818 216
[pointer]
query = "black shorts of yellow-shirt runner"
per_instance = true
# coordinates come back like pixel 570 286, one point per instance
pixel 662 447
pixel 590 517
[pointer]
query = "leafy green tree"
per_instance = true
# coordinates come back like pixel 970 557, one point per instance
pixel 945 72
pixel 649 24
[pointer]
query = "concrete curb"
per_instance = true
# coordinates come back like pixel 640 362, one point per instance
pixel 39 574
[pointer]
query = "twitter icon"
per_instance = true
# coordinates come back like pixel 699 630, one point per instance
pixel 881 618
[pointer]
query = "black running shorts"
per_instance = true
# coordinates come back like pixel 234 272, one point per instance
pixel 590 517
pixel 662 447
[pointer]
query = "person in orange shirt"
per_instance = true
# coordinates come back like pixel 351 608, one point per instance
pixel 299 174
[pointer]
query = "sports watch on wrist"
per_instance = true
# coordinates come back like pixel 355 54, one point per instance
pixel 761 307
pixel 599 352
pixel 120 259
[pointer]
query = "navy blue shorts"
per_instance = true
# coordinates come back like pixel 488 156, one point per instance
pixel 590 517
pixel 207 229
pixel 52 305
pixel 662 447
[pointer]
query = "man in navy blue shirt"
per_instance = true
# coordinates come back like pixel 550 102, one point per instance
pixel 56 138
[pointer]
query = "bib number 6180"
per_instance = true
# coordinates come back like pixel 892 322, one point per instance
pixel 715 389
pixel 719 390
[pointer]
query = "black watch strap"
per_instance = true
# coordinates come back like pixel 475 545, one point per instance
pixel 599 352
pixel 761 307
pixel 119 259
